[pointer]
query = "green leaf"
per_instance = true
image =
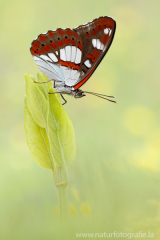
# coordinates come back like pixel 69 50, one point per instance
pixel 49 84
pixel 43 87
pixel 37 103
pixel 46 86
pixel 49 131
pixel 60 133
pixel 37 140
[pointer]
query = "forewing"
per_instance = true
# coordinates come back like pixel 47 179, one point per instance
pixel 71 56
pixel 97 37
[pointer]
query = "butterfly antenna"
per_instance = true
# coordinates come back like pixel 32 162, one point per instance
pixel 103 96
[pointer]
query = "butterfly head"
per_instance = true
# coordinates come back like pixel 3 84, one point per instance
pixel 79 93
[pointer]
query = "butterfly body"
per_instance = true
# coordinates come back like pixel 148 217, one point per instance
pixel 68 57
pixel 63 89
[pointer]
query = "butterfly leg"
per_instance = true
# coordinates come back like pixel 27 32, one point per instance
pixel 64 100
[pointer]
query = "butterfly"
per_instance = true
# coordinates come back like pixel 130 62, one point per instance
pixel 68 57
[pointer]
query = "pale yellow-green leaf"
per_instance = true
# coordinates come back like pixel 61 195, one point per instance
pixel 33 78
pixel 60 132
pixel 37 141
pixel 37 103
pixel 49 131
pixel 49 84
pixel 46 86
pixel 42 86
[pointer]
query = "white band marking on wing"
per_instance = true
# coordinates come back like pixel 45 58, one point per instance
pixel 45 57
pixel 94 42
pixel 63 54
pixel 97 44
pixel 53 57
pixel 87 63
pixel 78 56
pixel 73 53
pixel 68 53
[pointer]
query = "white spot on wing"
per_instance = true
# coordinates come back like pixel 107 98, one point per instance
pixel 68 53
pixel 53 57
pixel 100 45
pixel 97 44
pixel 106 31
pixel 62 54
pixel 78 56
pixel 110 32
pixel 73 53
pixel 87 63
pixel 94 42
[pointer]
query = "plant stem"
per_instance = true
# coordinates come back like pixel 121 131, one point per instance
pixel 63 203
pixel 61 183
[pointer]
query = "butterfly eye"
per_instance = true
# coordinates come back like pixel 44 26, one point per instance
pixel 50 40
pixel 87 32
pixel 37 49
pixel 58 38
pixel 72 38
pixel 43 45
pixel 78 41
pixel 65 36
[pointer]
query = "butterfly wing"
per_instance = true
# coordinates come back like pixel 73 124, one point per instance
pixel 58 55
pixel 71 56
pixel 97 37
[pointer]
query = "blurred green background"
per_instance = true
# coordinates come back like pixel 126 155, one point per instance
pixel 114 182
